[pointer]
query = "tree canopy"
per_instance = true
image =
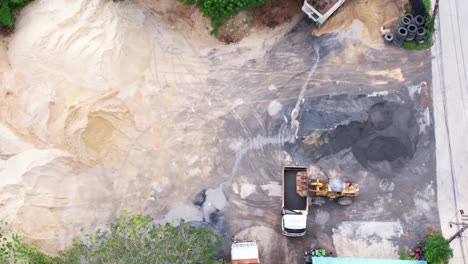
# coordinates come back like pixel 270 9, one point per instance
pixel 437 250
pixel 130 239
pixel 8 10
pixel 135 238
pixel 218 10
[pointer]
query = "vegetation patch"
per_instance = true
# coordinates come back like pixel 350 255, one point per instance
pixel 131 238
pixel 8 11
pixel 437 249
pixel 219 10
pixel 13 249
pixel 430 29
pixel 406 256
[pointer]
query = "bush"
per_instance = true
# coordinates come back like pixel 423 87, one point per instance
pixel 130 239
pixel 430 29
pixel 405 256
pixel 8 11
pixel 14 250
pixel 437 250
pixel 135 238
pixel 218 10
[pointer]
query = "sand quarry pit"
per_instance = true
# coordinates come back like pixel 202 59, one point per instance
pixel 108 106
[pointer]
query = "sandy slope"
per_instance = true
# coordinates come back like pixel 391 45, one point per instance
pixel 92 95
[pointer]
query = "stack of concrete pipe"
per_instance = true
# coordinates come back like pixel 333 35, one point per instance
pixel 410 29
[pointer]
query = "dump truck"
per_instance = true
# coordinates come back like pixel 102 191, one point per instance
pixel 244 252
pixel 321 10
pixel 295 207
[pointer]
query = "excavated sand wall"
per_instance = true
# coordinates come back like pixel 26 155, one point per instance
pixel 93 118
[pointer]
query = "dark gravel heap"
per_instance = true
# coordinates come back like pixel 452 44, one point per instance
pixel 388 132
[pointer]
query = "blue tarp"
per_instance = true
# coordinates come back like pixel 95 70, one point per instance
pixel 323 260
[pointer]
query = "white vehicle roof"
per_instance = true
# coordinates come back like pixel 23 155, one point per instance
pixel 295 221
pixel 244 250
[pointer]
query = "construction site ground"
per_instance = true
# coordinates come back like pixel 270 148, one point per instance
pixel 139 110
pixel 333 81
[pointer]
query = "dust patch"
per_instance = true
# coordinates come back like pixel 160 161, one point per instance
pixel 425 203
pixel 322 217
pixel 186 212
pixel 367 239
pixel 247 189
pixel 421 95
pixel 395 74
pixel 386 185
pixel 272 189
pixel 274 108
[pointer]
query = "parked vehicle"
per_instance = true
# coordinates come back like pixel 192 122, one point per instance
pixel 244 252
pixel 295 207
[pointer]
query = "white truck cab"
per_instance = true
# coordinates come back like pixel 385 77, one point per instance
pixel 294 224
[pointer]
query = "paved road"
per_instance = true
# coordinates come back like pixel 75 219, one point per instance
pixel 450 71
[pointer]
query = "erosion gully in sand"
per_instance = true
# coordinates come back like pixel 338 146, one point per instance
pixel 190 128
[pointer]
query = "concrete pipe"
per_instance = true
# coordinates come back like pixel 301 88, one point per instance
pixel 411 32
pixel 404 22
pixel 420 34
pixel 400 36
pixel 388 38
pixel 419 21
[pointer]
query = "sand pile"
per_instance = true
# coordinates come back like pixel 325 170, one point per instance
pixel 95 116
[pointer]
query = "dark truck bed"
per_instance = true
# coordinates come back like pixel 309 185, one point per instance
pixel 292 200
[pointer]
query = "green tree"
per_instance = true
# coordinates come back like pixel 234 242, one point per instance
pixel 130 239
pixel 135 238
pixel 13 249
pixel 8 11
pixel 218 10
pixel 437 249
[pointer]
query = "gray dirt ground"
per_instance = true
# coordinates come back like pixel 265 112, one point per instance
pixel 329 81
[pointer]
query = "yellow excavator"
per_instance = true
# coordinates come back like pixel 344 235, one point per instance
pixel 321 190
